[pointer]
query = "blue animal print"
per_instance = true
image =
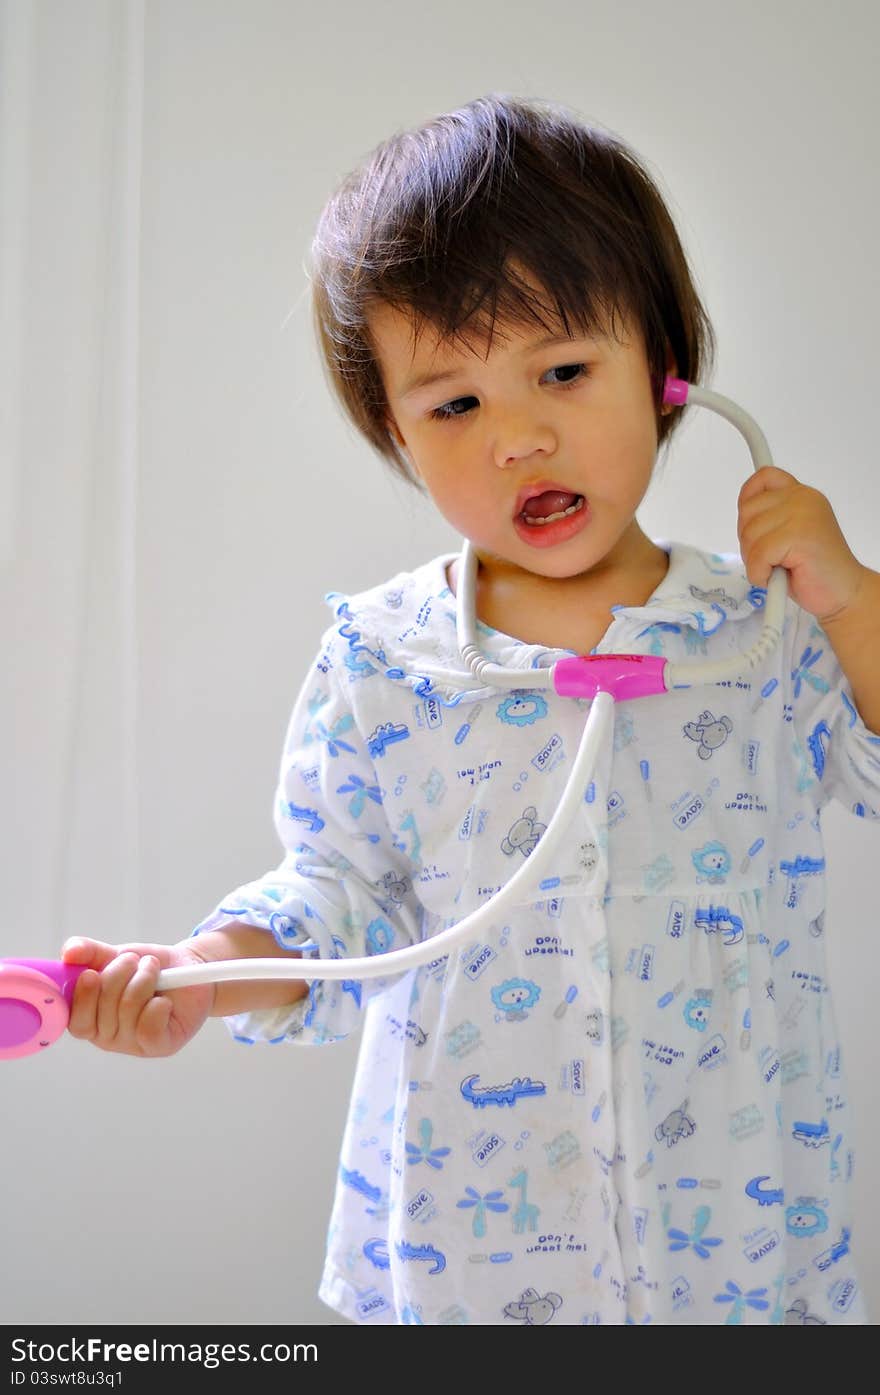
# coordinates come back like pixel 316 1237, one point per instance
pixel 694 643
pixel 806 1218
pixel 522 709
pixel 772 1197
pixel 376 1252
pixel 712 861
pixel 359 1183
pixel 352 636
pixel 814 1135
pixel 722 919
pixel 427 1252
pixel 804 778
pixel 358 668
pixel 817 750
pixel 385 735
pixel 348 985
pixel 696 1012
pixel 799 867
pixel 656 632
pixel 500 1094
pixel 513 997
pixel 310 817
pixel 704 629
pixel 380 935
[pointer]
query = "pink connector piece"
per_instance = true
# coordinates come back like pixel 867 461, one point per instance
pixel 624 676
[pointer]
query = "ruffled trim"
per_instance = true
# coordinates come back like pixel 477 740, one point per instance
pixel 701 590
pixel 299 1022
pixel 366 649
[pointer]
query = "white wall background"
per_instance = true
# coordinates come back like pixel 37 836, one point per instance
pixel 177 492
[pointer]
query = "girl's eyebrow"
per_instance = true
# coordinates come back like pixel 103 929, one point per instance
pixel 423 380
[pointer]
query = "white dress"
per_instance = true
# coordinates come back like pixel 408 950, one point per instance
pixel 625 1104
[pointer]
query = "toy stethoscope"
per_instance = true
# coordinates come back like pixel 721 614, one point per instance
pixel 35 994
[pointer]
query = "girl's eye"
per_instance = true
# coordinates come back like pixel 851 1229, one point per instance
pixel 446 412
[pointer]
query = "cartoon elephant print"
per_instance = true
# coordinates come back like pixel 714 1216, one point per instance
pixel 708 732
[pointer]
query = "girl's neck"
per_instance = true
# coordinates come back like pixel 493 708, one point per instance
pixel 568 612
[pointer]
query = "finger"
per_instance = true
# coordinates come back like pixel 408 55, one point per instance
pixel 767 477
pixel 95 953
pixel 759 504
pixel 114 980
pixel 83 1011
pixel 152 1027
pixel 763 524
pixel 136 994
pixel 764 550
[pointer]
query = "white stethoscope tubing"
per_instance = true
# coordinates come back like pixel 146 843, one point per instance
pixel 597 730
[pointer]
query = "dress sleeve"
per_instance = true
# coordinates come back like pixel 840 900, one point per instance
pixel 838 757
pixel 343 889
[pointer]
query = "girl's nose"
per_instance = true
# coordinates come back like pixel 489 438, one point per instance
pixel 517 438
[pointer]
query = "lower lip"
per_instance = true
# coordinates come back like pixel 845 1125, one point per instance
pixel 551 534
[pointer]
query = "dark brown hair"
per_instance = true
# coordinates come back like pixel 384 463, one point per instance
pixel 435 221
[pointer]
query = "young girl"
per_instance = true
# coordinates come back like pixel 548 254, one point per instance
pixel 626 1103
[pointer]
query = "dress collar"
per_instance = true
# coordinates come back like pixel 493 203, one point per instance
pixel 701 590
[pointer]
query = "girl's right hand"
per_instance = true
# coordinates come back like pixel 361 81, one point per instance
pixel 115 1004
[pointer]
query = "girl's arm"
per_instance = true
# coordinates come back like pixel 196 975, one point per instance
pixel 240 941
pixel 116 1005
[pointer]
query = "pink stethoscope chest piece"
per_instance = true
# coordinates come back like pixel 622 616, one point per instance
pixel 34 1004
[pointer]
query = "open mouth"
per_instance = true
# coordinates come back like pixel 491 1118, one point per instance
pixel 551 509
pixel 551 516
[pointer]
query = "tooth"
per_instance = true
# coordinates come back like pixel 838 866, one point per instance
pixel 551 518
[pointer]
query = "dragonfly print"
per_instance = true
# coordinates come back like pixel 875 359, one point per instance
pixel 802 673
pixel 425 1153
pixel 360 793
pixel 481 1205
pixel 331 738
pixel 754 1298
pixel 696 1239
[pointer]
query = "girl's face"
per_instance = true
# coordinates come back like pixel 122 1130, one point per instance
pixel 571 420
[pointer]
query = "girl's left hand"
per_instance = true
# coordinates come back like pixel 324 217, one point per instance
pixel 788 524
